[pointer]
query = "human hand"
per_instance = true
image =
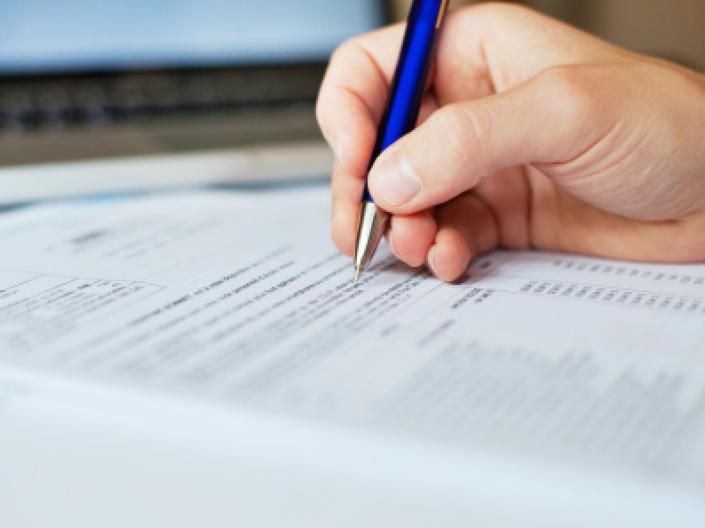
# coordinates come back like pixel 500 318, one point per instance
pixel 533 135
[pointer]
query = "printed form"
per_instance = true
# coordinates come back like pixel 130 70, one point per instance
pixel 241 299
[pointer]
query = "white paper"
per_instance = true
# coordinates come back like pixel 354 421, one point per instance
pixel 239 300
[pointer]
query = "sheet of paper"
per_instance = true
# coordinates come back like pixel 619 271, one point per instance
pixel 240 299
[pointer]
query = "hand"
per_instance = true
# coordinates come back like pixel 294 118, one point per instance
pixel 532 135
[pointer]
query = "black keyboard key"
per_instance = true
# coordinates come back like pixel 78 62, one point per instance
pixel 76 102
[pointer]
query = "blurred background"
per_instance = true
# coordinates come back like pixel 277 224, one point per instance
pixel 671 29
pixel 82 81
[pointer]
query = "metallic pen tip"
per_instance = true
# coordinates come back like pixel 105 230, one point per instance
pixel 370 229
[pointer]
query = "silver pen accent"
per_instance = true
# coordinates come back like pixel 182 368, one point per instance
pixel 373 222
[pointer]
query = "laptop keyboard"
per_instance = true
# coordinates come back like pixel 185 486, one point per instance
pixel 32 105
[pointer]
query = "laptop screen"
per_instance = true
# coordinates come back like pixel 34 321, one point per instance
pixel 87 35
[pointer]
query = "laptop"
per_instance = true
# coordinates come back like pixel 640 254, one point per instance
pixel 207 86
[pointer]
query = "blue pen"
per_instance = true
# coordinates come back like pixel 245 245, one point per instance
pixel 401 114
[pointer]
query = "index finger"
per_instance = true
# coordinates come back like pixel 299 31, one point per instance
pixel 349 108
pixel 353 94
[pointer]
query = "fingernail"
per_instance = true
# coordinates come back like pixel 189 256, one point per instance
pixel 431 260
pixel 394 179
pixel 392 244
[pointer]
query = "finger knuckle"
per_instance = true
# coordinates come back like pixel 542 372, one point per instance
pixel 497 14
pixel 343 49
pixel 445 121
pixel 451 122
pixel 470 128
pixel 571 91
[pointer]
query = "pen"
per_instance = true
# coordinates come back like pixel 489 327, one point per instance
pixel 401 113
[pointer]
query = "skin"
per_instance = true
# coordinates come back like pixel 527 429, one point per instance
pixel 533 134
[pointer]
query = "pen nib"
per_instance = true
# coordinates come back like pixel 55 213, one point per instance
pixel 358 272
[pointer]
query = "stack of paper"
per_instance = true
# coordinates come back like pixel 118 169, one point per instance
pixel 207 358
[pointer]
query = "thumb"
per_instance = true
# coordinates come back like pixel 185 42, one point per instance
pixel 553 117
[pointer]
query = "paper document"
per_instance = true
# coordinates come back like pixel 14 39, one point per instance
pixel 241 300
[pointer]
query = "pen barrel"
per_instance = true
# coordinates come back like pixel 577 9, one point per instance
pixel 411 75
